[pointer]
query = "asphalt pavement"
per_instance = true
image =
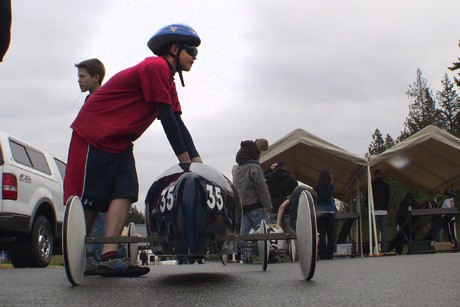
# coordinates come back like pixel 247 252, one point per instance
pixel 410 280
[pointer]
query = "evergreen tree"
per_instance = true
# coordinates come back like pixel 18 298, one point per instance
pixel 449 103
pixel 456 66
pixel 422 111
pixel 389 141
pixel 377 145
pixel 135 216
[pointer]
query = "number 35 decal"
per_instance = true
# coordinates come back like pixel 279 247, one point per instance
pixel 214 197
pixel 167 199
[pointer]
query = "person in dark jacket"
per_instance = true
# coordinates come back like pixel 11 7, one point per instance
pixel 325 211
pixel 281 183
pixel 381 196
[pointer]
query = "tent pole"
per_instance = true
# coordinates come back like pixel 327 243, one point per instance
pixel 372 222
pixel 372 211
pixel 376 239
pixel 359 226
pixel 369 205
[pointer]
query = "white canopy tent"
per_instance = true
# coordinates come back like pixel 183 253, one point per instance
pixel 428 160
pixel 306 155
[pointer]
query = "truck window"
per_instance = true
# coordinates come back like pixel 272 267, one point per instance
pixel 20 154
pixel 38 161
pixel 29 157
pixel 61 166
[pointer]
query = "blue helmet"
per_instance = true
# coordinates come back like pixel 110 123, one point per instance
pixel 176 33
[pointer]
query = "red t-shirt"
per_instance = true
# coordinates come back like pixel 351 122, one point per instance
pixel 123 108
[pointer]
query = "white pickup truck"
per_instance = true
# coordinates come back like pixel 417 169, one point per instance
pixel 31 203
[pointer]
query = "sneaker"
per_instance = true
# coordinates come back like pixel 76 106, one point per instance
pixel 91 266
pixel 121 267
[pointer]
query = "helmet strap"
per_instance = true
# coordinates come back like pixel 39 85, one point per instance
pixel 179 71
pixel 178 66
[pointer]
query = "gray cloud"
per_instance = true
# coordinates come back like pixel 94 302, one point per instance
pixel 337 69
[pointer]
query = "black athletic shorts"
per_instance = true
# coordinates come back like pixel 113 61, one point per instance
pixel 107 177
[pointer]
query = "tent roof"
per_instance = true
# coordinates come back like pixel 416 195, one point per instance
pixel 428 160
pixel 306 155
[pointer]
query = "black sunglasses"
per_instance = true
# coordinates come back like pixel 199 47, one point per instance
pixel 191 50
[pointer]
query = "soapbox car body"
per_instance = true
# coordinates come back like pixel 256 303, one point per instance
pixel 192 211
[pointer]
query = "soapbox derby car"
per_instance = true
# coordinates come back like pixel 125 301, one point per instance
pixel 191 211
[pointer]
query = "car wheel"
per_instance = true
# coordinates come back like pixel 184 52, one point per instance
pixel 41 247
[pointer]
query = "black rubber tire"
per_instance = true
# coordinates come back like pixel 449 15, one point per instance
pixel 314 238
pixel 35 250
pixel 41 243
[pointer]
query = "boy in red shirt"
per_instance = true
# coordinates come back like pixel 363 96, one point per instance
pixel 101 167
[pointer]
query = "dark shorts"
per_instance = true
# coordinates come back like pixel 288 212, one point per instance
pixel 98 177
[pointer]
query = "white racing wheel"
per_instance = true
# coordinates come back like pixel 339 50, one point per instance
pixel 73 240
pixel 132 248
pixel 292 250
pixel 306 235
pixel 263 246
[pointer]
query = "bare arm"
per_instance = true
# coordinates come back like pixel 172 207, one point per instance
pixel 279 218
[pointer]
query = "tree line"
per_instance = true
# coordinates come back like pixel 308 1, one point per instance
pixel 441 109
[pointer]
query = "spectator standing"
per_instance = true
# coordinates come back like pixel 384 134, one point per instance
pixel 144 257
pixel 249 181
pixel 90 74
pixel 325 214
pixel 381 194
pixel 281 183
pixel 449 219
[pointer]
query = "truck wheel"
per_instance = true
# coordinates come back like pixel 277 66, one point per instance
pixel 41 243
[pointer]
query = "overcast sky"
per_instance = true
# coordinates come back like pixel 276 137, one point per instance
pixel 337 69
